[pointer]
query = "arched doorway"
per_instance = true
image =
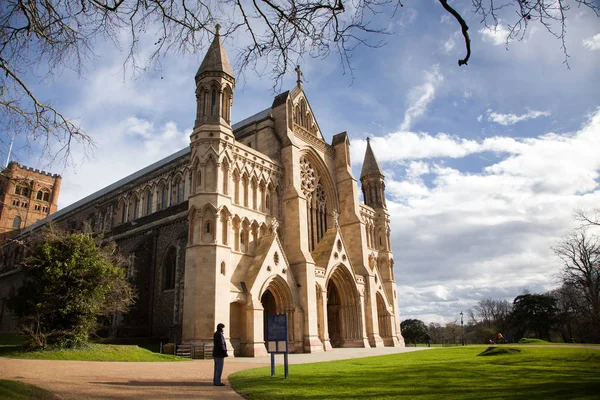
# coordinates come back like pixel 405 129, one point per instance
pixel 343 310
pixel 269 308
pixel 333 315
pixel 277 299
pixel 384 322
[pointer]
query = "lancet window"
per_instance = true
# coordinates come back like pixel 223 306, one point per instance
pixel 316 203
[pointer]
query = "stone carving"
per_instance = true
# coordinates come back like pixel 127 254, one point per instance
pixel 336 218
pixel 274 225
pixel 307 176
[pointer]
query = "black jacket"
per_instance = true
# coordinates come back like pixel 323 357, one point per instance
pixel 220 348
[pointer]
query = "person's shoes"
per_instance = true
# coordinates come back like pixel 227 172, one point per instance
pixel 219 384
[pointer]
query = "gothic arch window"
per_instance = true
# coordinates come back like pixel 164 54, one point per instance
pixel 210 177
pixel 302 113
pixel 122 209
pixel 226 104
pixel 224 227
pixel 16 223
pixel 164 195
pixel 148 202
pixel 254 194
pixel 134 205
pixel 236 187
pixel 213 101
pixel 268 203
pixel 178 190
pixel 169 269
pixel 316 203
pixel 225 171
pixel 236 233
pixel 22 190
pixel 222 267
pixel 245 189
pixel 39 195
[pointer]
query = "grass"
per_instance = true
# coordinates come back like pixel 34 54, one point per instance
pixel 455 373
pixel 13 390
pixel 92 352
pixel 10 346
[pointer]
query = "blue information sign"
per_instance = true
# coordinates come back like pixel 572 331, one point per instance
pixel 277 327
pixel 277 340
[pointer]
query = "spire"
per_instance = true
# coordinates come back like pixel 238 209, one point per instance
pixel 216 58
pixel 370 164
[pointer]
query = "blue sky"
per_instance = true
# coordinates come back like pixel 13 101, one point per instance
pixel 485 164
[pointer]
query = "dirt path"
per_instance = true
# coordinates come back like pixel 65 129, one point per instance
pixel 153 380
pixel 123 380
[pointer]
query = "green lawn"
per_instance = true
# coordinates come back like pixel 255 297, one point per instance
pixel 13 390
pixel 92 352
pixel 455 373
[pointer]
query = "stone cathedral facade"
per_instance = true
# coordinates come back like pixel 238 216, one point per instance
pixel 254 219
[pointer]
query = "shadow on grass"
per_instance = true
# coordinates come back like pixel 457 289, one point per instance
pixel 499 351
pixel 431 377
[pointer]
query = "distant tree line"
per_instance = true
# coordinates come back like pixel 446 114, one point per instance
pixel 570 313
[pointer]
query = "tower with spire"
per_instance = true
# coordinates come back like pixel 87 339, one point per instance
pixel 207 258
pixel 372 180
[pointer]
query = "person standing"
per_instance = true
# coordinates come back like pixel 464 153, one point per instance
pixel 219 354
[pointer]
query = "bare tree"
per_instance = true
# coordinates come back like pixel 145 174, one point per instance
pixel 587 218
pixel 493 313
pixel 580 254
pixel 39 38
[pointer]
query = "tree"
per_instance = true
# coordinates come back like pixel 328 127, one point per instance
pixel 71 280
pixel 62 33
pixel 580 255
pixel 533 313
pixel 493 313
pixel 413 330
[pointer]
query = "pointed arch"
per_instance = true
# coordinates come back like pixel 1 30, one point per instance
pixel 121 211
pixel 384 320
pixel 169 268
pixel 178 189
pixel 224 216
pixel 147 201
pixel 134 207
pixel 344 311
pixel 208 223
pixel 210 175
pixel 225 174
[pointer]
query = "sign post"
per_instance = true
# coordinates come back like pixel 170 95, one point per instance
pixel 277 340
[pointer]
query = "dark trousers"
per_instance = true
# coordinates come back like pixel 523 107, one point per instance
pixel 219 361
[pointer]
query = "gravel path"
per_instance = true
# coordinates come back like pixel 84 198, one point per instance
pixel 152 380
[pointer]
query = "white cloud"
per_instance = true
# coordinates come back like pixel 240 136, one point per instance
pixel 401 146
pixel 592 43
pixel 489 232
pixel 420 97
pixel 449 45
pixel 511 119
pixel 122 149
pixel 496 36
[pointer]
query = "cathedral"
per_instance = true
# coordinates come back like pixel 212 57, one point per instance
pixel 257 218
